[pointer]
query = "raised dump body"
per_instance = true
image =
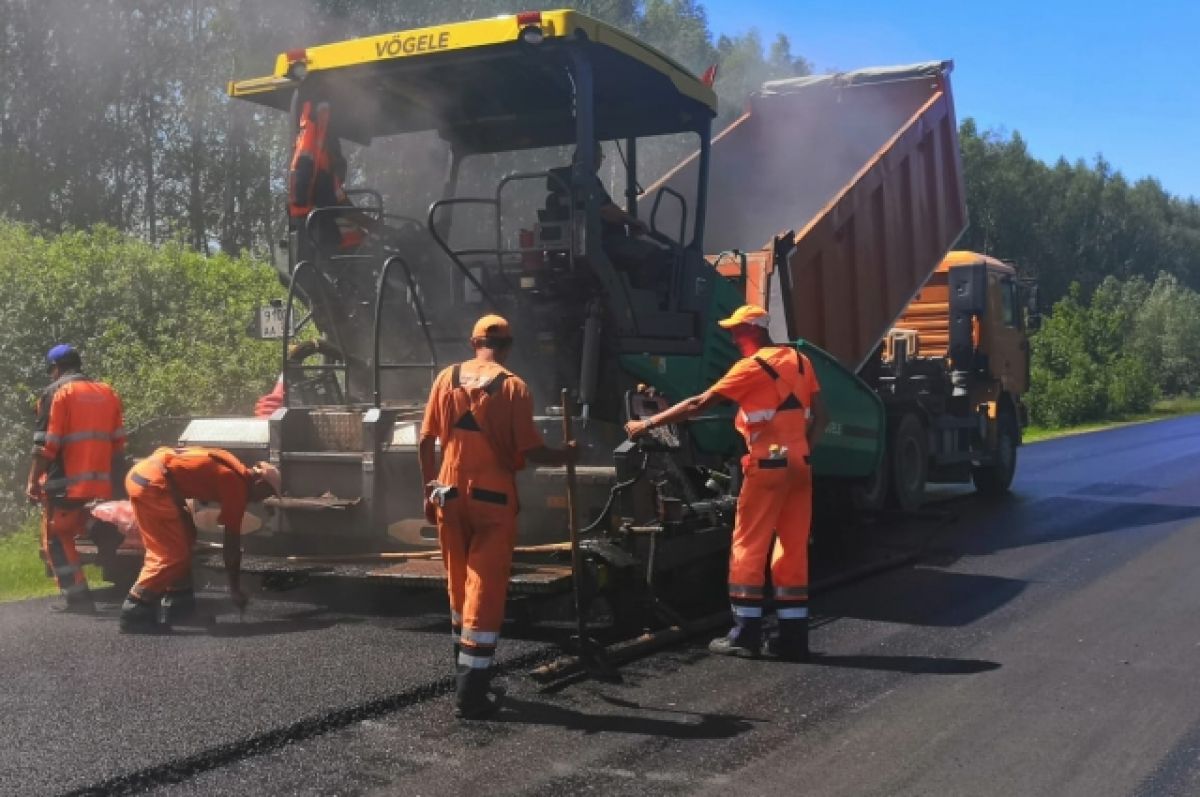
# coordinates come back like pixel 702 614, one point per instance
pixel 864 167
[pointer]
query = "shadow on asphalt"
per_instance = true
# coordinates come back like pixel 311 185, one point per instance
pixel 916 665
pixel 695 726
pixel 1021 521
pixel 924 596
pixel 205 624
pixel 234 630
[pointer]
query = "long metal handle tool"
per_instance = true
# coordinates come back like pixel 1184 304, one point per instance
pixel 572 521
pixel 590 651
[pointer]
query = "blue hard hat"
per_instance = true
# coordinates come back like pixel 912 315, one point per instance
pixel 61 352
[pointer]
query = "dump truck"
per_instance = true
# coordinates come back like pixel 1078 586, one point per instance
pixel 846 270
pixel 850 186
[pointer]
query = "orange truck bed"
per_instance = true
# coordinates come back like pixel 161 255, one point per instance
pixel 864 166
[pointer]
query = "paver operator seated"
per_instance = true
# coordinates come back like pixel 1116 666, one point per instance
pixel 158 487
pixel 78 434
pixel 776 391
pixel 482 414
pixel 622 237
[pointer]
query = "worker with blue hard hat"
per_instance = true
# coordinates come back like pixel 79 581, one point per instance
pixel 78 431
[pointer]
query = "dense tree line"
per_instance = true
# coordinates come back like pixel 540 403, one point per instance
pixel 1113 353
pixel 116 110
pixel 1073 222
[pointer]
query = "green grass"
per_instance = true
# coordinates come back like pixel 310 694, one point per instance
pixel 21 572
pixel 1166 408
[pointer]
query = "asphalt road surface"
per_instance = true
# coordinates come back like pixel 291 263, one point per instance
pixel 1046 644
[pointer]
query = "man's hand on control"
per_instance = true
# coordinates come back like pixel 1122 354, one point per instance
pixel 636 429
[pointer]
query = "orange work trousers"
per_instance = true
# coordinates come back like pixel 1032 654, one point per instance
pixel 477 529
pixel 167 535
pixel 775 505
pixel 61 524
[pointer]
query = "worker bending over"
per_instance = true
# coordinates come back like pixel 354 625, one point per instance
pixel 482 414
pixel 158 487
pixel 781 416
pixel 79 430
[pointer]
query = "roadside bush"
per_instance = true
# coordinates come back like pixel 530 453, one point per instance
pixel 1109 358
pixel 1166 335
pixel 164 326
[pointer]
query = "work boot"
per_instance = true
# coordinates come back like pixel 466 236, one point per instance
pixel 792 642
pixel 474 698
pixel 139 617
pixel 178 606
pixel 78 603
pixel 744 640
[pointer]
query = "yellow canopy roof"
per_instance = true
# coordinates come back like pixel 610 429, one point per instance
pixel 481 85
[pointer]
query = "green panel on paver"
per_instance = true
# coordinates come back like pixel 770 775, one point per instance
pixel 678 378
pixel 853 443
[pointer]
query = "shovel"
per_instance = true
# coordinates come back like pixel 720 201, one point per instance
pixel 590 652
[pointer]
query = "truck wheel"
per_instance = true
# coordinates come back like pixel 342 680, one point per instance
pixel 995 479
pixel 908 459
pixel 871 494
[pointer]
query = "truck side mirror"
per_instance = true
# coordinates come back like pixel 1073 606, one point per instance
pixel 968 301
pixel 968 290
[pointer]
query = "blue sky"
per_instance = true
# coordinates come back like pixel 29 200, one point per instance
pixel 1074 78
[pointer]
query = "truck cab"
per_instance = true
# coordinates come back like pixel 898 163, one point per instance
pixel 966 328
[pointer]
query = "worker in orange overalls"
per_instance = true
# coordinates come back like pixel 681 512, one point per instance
pixel 316 180
pixel 79 431
pixel 781 416
pixel 158 487
pixel 482 414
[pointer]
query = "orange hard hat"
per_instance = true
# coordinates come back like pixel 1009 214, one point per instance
pixel 491 326
pixel 749 314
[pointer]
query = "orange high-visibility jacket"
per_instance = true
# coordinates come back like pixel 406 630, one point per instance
pixel 310 159
pixel 79 429
pixel 773 390
pixel 487 404
pixel 206 474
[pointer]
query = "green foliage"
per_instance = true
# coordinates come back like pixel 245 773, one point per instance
pixel 1075 222
pixel 1167 334
pixel 1086 366
pixel 164 326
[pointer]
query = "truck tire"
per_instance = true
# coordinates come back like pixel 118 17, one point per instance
pixel 908 463
pixel 995 479
pixel 871 494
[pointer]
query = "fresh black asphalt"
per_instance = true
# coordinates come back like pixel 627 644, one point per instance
pixel 1043 644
